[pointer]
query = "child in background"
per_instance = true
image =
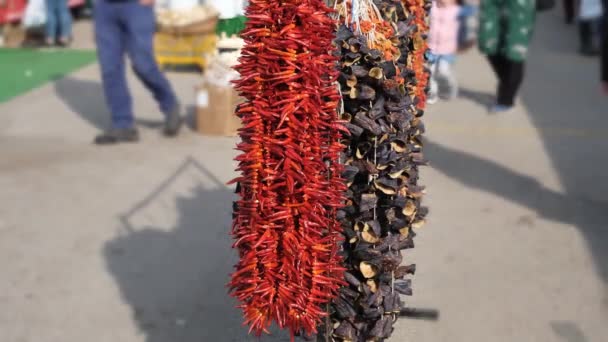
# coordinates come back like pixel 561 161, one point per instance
pixel 445 22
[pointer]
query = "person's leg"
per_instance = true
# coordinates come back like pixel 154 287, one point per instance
pixel 444 69
pixel 110 39
pixel 569 11
pixel 514 75
pixel 433 86
pixel 51 21
pixel 585 30
pixel 140 26
pixel 65 21
pixel 495 63
pixel 604 47
pixel 500 67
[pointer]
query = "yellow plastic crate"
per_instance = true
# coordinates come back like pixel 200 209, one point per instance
pixel 183 49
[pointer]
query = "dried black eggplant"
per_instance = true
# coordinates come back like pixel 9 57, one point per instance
pixel 345 331
pixel 352 280
pixel 368 202
pixel 349 173
pixel 403 287
pixel 373 56
pixel 402 271
pixel 351 235
pixel 351 58
pixel 359 71
pixel 344 309
pixel 355 131
pixel 383 206
pixel 377 111
pixel 366 93
pixel 343 33
pixel 363 149
pixel 349 294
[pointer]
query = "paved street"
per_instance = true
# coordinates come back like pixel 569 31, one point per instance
pixel 131 244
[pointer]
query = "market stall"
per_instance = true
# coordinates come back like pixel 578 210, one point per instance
pixel 185 36
pixel 12 10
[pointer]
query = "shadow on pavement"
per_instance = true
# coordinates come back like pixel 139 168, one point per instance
pixel 86 98
pixel 588 216
pixel 562 98
pixel 570 102
pixel 568 331
pixel 483 99
pixel 174 278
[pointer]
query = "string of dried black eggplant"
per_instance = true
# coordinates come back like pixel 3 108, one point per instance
pixel 381 168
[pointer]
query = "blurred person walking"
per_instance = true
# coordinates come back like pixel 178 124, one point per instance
pixel 446 19
pixel 58 27
pixel 604 48
pixel 569 12
pixel 505 31
pixel 127 27
pixel 589 22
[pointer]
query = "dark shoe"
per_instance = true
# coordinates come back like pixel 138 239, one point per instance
pixel 117 135
pixel 64 43
pixel 173 122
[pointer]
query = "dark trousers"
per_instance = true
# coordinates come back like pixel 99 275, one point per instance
pixel 604 45
pixel 127 28
pixel 588 32
pixel 569 10
pixel 510 74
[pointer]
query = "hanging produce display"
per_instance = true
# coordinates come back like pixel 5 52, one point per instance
pixel 290 185
pixel 382 80
pixel 328 184
pixel 419 13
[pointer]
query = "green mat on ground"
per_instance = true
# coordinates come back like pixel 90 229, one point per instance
pixel 231 26
pixel 22 70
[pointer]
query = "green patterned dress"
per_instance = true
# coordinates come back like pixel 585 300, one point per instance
pixel 505 27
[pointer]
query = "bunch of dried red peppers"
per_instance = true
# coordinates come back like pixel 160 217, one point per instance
pixel 328 186
pixel 290 185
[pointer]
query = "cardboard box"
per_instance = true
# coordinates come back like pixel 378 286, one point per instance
pixel 14 35
pixel 215 107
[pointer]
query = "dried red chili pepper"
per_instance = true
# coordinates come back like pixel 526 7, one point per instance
pixel 285 225
pixel 418 9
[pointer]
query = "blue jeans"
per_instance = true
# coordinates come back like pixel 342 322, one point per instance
pixel 58 20
pixel 442 75
pixel 127 27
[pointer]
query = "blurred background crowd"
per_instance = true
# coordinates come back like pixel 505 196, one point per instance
pixel 503 30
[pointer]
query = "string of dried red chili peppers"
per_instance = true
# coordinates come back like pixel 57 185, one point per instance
pixel 418 10
pixel 383 91
pixel 290 183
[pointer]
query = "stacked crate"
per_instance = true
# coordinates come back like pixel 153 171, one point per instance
pixel 185 44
